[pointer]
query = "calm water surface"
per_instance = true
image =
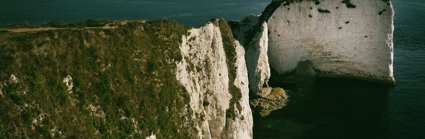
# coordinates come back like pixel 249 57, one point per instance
pixel 324 108
pixel 194 12
pixel 339 109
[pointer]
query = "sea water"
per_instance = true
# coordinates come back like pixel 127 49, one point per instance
pixel 190 12
pixel 341 109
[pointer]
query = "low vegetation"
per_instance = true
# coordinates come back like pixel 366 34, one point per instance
pixel 93 83
pixel 230 50
pixel 86 23
pixel 60 24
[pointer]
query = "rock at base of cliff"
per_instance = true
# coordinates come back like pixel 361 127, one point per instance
pixel 269 99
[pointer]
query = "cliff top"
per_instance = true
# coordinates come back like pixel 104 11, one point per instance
pixel 93 81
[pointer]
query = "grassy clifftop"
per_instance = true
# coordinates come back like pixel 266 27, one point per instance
pixel 92 83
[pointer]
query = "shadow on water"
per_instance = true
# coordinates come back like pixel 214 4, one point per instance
pixel 328 108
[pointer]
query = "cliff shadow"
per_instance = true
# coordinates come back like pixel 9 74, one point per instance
pixel 328 108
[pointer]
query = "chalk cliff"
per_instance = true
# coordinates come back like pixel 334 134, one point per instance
pixel 213 71
pixel 141 79
pixel 160 79
pixel 257 60
pixel 347 39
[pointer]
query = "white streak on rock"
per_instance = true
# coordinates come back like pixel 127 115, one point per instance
pixel 153 136
pixel 69 84
pixel 1 89
pixel 96 111
pixel 13 79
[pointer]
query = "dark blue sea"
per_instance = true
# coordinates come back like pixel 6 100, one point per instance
pixel 191 12
pixel 323 108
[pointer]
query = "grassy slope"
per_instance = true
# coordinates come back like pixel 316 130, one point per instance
pixel 139 84
pixel 230 50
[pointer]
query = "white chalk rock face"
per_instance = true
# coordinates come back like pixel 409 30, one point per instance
pixel 204 73
pixel 353 40
pixel 257 60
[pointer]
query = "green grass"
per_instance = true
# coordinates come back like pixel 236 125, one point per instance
pixel 140 82
pixel 60 24
pixel 230 50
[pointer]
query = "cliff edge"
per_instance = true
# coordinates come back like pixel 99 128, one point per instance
pixel 141 79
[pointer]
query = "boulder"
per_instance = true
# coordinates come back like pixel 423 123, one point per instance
pixel 270 99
